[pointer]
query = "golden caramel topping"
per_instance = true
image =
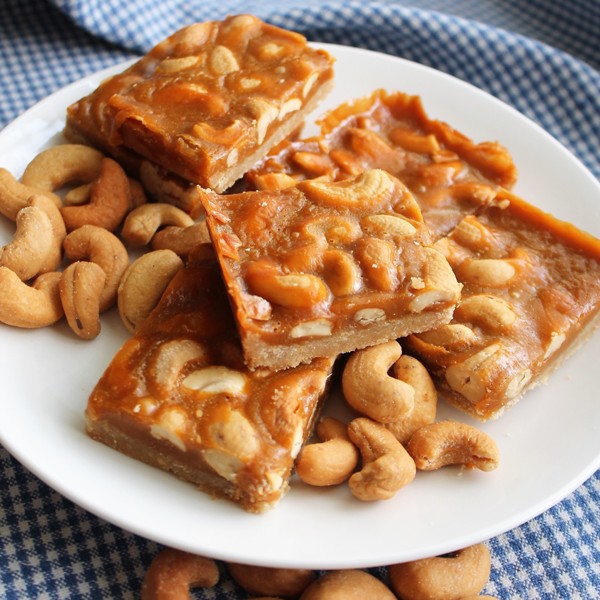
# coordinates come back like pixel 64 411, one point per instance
pixel 328 257
pixel 449 175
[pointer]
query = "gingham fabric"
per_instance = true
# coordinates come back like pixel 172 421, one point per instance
pixel 540 56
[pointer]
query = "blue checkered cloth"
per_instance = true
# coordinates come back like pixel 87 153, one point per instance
pixel 540 56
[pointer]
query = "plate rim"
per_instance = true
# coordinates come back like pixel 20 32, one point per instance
pixel 473 537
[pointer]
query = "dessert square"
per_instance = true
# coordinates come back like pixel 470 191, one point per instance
pixel 530 297
pixel 449 174
pixel 322 268
pixel 178 396
pixel 207 102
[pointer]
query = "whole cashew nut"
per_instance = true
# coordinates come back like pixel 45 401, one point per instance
pixel 143 283
pixel 182 240
pixel 332 460
pixel 387 466
pixel 369 389
pixel 14 195
pixel 66 163
pixel 143 222
pixel 452 443
pixel 81 286
pixel 451 577
pixel 266 581
pixel 59 231
pixel 410 370
pixel 100 246
pixel 27 253
pixel 173 572
pixel 351 584
pixel 109 200
pixel 27 306
pixel 81 194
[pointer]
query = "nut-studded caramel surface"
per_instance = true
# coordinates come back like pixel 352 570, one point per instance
pixel 326 267
pixel 204 101
pixel 531 289
pixel 178 396
pixel 449 174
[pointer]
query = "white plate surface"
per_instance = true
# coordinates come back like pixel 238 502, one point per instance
pixel 549 443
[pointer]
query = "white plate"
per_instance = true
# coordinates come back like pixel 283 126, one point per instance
pixel 550 442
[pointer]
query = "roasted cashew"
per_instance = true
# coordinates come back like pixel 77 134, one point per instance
pixel 449 577
pixel 351 584
pixel 410 370
pixel 28 252
pixel 292 290
pixel 181 240
pixel 452 443
pixel 59 231
pixel 81 286
pixel 14 195
pixel 78 195
pixel 66 163
pixel 143 283
pixel 332 460
pixel 27 306
pixel 370 189
pixel 266 581
pixel 369 389
pixel 100 246
pixel 109 200
pixel 387 466
pixel 173 573
pixel 81 194
pixel 143 222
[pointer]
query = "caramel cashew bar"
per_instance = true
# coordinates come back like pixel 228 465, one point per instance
pixel 178 396
pixel 207 102
pixel 530 297
pixel 448 173
pixel 322 267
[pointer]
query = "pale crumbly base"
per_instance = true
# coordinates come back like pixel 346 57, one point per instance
pixel 259 353
pixel 156 453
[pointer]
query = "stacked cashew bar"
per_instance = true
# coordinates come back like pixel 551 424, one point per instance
pixel 311 272
pixel 530 283
pixel 387 226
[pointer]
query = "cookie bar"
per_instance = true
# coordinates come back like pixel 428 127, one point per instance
pixel 448 173
pixel 207 102
pixel 178 396
pixel 531 295
pixel 323 267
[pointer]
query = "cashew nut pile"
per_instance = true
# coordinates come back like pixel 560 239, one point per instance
pixel 395 430
pixel 76 214
pixel 459 575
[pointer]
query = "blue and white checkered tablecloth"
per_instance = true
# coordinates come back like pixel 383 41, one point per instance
pixel 540 56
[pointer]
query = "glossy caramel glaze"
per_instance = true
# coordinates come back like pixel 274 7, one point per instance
pixel 178 396
pixel 202 101
pixel 531 292
pixel 448 174
pixel 314 268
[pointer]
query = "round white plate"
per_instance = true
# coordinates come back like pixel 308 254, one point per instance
pixel 549 442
